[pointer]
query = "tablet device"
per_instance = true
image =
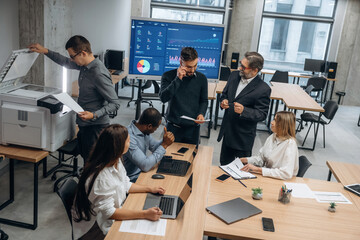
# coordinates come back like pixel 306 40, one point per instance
pixel 355 188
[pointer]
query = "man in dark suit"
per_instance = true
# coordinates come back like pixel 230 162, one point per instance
pixel 246 99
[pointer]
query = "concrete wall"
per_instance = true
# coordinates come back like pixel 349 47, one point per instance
pixel 140 8
pixel 31 29
pixel 9 29
pixel 241 29
pixel 57 30
pixel 106 24
pixel 348 58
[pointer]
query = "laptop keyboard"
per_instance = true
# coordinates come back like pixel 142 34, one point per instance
pixel 166 205
pixel 176 167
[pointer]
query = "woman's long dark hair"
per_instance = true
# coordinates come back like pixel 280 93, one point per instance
pixel 106 152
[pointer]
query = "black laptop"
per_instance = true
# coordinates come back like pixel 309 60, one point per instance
pixel 171 166
pixel 169 204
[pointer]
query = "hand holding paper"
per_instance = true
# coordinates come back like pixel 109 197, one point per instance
pixel 195 120
pixel 68 101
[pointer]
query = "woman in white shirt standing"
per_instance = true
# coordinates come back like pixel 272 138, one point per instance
pixel 103 186
pixel 279 157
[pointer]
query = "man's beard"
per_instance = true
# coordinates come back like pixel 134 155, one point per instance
pixel 244 76
pixel 189 74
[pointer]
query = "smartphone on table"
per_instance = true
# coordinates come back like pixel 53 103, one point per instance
pixel 268 224
pixel 183 150
pixel 222 178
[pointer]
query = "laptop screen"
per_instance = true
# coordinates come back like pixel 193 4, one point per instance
pixel 185 193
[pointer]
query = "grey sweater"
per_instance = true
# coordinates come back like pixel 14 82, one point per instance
pixel 96 91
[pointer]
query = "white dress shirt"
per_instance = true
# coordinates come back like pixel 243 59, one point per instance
pixel 242 84
pixel 279 158
pixel 107 194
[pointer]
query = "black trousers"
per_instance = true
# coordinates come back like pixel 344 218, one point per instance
pixel 87 137
pixel 227 154
pixel 185 134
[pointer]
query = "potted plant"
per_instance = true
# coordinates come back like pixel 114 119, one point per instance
pixel 332 207
pixel 257 193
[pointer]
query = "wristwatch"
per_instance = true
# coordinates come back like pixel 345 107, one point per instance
pixel 94 116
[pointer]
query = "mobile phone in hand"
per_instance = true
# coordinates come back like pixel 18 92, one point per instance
pixel 183 150
pixel 222 178
pixel 268 224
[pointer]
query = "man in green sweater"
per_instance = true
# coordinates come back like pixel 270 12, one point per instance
pixel 186 90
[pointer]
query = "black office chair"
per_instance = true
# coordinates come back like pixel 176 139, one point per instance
pixel 280 76
pixel 304 164
pixel 308 89
pixel 71 148
pixel 224 73
pixel 67 194
pixel 3 235
pixel 149 97
pixel 319 85
pixel 330 108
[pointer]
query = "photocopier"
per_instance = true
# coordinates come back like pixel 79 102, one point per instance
pixel 29 115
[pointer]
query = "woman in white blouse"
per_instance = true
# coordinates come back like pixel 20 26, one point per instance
pixel 103 186
pixel 279 157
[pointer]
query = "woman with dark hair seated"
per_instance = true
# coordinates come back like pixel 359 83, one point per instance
pixel 279 157
pixel 103 186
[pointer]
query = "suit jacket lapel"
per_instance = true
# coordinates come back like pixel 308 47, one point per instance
pixel 234 88
pixel 249 88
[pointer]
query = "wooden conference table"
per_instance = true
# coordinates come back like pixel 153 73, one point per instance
pixel 30 155
pixel 190 222
pixel 294 97
pixel 302 218
pixel 345 173
pixel 297 77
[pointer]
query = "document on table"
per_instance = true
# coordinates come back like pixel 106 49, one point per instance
pixel 68 101
pixel 327 197
pixel 300 190
pixel 192 119
pixel 233 169
pixel 142 226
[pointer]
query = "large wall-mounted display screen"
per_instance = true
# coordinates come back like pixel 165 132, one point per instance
pixel 155 46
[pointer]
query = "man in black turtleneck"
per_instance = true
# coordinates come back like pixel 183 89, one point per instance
pixel 186 91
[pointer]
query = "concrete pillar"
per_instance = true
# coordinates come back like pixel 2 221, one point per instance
pixel 140 8
pixel 242 24
pixel 47 22
pixel 31 29
pixel 348 56
pixel 57 30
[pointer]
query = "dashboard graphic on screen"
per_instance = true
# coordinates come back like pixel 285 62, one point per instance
pixel 155 46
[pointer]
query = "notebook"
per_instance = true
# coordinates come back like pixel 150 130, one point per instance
pixel 170 205
pixel 233 210
pixel 233 169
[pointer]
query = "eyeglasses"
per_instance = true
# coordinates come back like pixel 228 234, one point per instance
pixel 189 67
pixel 74 56
pixel 243 67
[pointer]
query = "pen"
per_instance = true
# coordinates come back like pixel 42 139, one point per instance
pixel 242 183
pixel 178 154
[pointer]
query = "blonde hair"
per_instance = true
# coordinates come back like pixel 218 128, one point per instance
pixel 285 124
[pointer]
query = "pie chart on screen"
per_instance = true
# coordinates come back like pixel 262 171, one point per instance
pixel 143 66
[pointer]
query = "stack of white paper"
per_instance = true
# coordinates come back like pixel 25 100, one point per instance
pixel 157 228
pixel 233 169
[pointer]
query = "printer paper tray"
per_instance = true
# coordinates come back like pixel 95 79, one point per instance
pixel 22 135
